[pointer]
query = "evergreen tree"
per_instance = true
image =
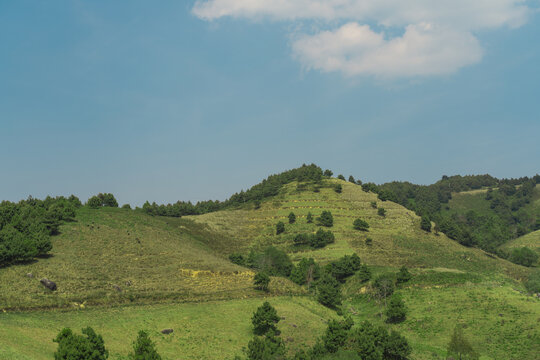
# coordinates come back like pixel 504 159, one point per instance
pixel 425 223
pixel 381 212
pixel 361 225
pixel 364 274
pixel 261 281
pixel 396 311
pixel 326 219
pixel 74 347
pixel 383 286
pixel 459 347
pixel 351 179
pixel 341 177
pixel 328 173
pixel 403 275
pixel 292 218
pixel 396 347
pixel 309 218
pixel 264 319
pixel 338 188
pixel 269 347
pixel 144 348
pixel 328 291
pixel 280 227
pixel 336 333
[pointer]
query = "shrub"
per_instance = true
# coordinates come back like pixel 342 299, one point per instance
pixel 280 227
pixel 381 212
pixel 425 224
pixel 273 261
pixel 341 177
pixel 144 348
pixel 264 319
pixel 126 206
pixel 326 219
pixel 309 218
pixel 369 241
pixel 261 281
pixel 343 267
pixel 374 204
pixel 523 256
pixel 361 225
pixel 338 188
pixel 533 282
pixel 321 238
pixel 269 347
pixel 292 218
pixel 328 173
pixel 237 259
pixel 403 275
pixel 73 346
pixel 460 347
pixel 363 274
pixel 328 291
pixel 396 310
pixel 336 334
pixel 351 179
pixel 305 272
pixel 383 286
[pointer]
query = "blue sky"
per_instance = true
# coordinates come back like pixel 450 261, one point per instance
pixel 169 103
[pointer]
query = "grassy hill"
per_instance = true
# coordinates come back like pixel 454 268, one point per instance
pixel 396 238
pixel 121 270
pixel 531 240
pixel 111 256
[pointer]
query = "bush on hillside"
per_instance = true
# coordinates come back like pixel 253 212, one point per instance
pixel 381 212
pixel 264 319
pixel 326 219
pixel 261 281
pixel 328 291
pixel 361 225
pixel 237 259
pixel 272 261
pixel 280 228
pixel 403 275
pixel 73 346
pixel 523 256
pixel 344 267
pixel 309 218
pixel 425 223
pixel 292 218
pixel 396 311
pixel 144 348
pixel 305 272
pixel 338 188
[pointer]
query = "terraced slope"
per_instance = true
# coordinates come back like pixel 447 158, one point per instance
pixel 396 238
pixel 531 240
pixel 111 256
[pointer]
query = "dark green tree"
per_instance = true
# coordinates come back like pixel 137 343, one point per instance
pixel 268 347
pixel 74 347
pixel 326 219
pixel 261 281
pixel 533 282
pixel 364 274
pixel 361 225
pixel 94 202
pixel 336 334
pixel 237 259
pixel 396 347
pixel 383 287
pixel 459 347
pixel 523 256
pixel 403 275
pixel 292 218
pixel 341 177
pixel 144 348
pixel 309 218
pixel 280 227
pixel 328 173
pixel 126 206
pixel 425 223
pixel 265 319
pixel 338 188
pixel 328 291
pixel 351 179
pixel 396 311
pixel 374 204
pixel 382 212
pixel 305 272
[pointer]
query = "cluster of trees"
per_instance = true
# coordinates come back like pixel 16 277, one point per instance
pixel 26 227
pixel 272 261
pixel 267 188
pixel 90 346
pixel 318 240
pixel 508 199
pixel 102 200
pixel 340 340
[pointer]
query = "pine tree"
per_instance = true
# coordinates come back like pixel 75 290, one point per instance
pixel 396 311
pixel 144 348
pixel 328 291
pixel 309 218
pixel 264 319
pixel 280 227
pixel 292 218
pixel 261 281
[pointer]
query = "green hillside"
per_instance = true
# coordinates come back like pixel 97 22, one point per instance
pixel 531 240
pixel 396 238
pixel 121 270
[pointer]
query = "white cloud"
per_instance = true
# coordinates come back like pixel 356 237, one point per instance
pixel 422 50
pixel 438 34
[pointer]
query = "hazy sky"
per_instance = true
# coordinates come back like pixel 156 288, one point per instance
pixel 192 100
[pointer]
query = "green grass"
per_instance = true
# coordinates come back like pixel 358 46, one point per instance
pixel 397 237
pixel 150 259
pixel 211 330
pixel 531 240
pixel 500 321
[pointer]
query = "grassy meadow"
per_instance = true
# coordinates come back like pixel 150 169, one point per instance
pixel 121 271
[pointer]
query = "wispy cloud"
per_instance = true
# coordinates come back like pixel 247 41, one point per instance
pixel 438 36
